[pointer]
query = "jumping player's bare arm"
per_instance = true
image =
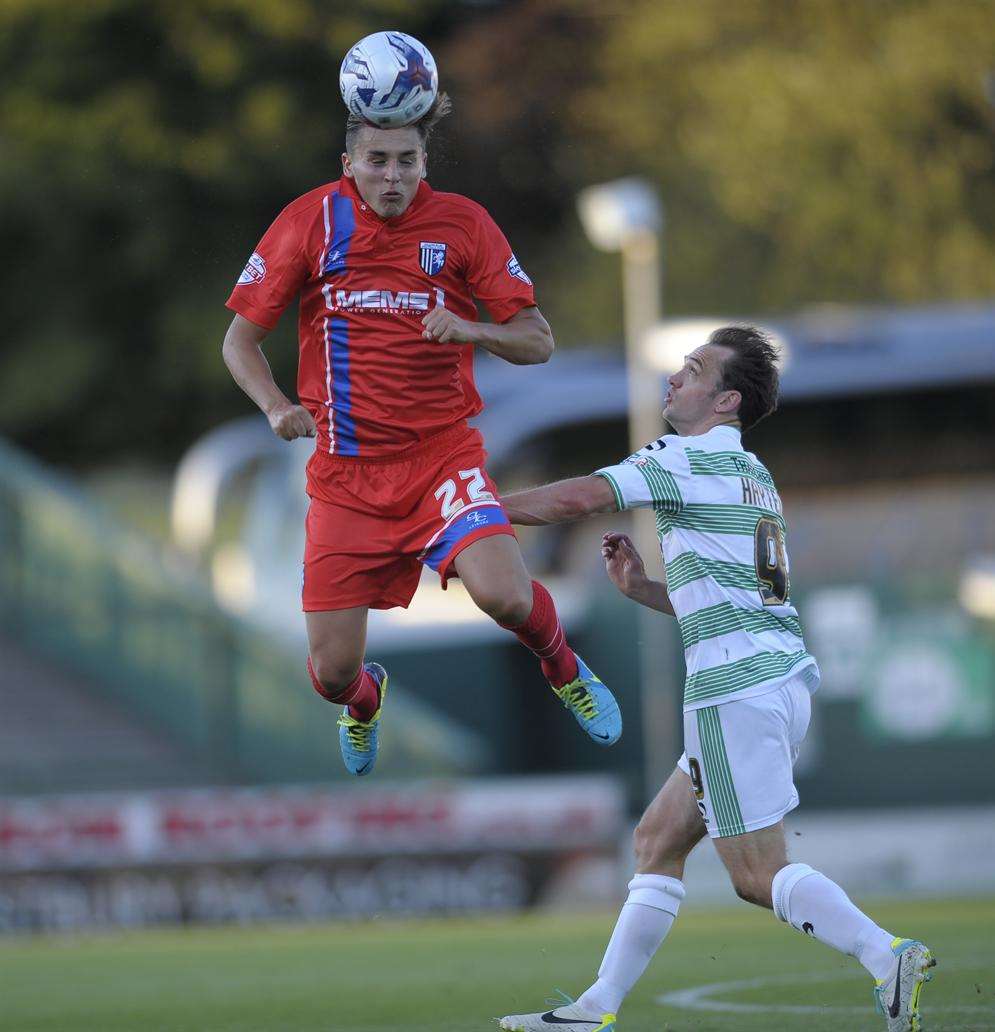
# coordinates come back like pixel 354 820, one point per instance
pixel 563 502
pixel 524 339
pixel 570 500
pixel 247 364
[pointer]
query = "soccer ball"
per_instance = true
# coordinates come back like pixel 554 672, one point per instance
pixel 389 79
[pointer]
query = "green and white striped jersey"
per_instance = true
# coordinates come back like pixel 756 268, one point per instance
pixel 721 530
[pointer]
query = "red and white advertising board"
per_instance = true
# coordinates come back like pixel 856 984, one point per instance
pixel 306 852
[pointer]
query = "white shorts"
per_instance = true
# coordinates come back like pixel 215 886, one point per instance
pixel 740 754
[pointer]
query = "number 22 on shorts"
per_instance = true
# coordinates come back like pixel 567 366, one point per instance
pixel 447 491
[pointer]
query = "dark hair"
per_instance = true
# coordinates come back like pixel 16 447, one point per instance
pixel 441 107
pixel 751 369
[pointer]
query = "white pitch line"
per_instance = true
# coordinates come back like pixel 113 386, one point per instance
pixel 700 998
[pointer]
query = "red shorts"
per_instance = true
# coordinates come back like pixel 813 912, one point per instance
pixel 373 523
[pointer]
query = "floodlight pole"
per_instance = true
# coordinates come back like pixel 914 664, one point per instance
pixel 626 215
pixel 641 298
pixel 641 312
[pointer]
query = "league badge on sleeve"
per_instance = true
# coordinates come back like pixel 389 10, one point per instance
pixel 517 271
pixel 255 269
pixel 432 257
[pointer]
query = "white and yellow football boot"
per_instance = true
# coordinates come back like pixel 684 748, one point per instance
pixel 897 997
pixel 567 1018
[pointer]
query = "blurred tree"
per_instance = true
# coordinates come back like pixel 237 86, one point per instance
pixel 146 146
pixel 827 150
pixel 807 151
pixel 849 145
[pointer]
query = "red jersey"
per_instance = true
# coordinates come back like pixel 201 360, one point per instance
pixel 372 383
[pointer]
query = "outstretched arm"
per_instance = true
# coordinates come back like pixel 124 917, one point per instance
pixel 525 339
pixel 624 566
pixel 562 502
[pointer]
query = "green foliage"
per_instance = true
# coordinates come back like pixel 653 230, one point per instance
pixel 825 150
pixel 145 149
pixel 809 151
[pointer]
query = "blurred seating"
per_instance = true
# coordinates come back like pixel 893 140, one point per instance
pixel 134 628
pixel 59 734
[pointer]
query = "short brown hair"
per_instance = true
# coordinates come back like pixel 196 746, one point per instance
pixel 751 369
pixel 441 107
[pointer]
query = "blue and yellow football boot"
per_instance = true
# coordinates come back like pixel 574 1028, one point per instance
pixel 358 738
pixel 592 704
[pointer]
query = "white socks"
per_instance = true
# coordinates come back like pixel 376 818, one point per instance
pixel 813 904
pixel 643 924
pixel 802 897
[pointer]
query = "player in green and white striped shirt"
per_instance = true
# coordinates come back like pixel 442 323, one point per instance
pixel 722 536
pixel 749 679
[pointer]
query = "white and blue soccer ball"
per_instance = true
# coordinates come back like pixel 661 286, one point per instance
pixel 389 79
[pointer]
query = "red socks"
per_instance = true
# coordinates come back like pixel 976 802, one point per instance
pixel 360 695
pixel 543 634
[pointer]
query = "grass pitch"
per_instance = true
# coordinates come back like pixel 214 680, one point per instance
pixel 736 969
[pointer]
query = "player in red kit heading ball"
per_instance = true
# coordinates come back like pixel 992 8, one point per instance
pixel 387 271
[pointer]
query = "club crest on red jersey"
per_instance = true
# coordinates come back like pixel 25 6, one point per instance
pixel 255 269
pixel 432 257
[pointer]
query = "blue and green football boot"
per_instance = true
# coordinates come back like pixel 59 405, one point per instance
pixel 592 704
pixel 358 738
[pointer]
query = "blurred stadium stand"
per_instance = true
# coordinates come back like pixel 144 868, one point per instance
pixel 58 732
pixel 882 453
pixel 126 665
pixel 853 360
pixel 108 629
